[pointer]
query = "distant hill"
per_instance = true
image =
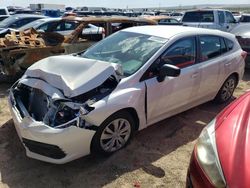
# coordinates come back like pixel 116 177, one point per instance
pixel 239 7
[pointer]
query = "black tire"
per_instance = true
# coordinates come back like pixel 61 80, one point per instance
pixel 226 91
pixel 97 144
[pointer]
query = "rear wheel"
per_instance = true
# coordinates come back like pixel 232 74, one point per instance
pixel 226 91
pixel 114 133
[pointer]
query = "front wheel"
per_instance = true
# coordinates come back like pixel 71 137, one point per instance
pixel 226 91
pixel 114 133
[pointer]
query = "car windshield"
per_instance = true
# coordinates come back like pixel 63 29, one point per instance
pixel 130 50
pixel 8 21
pixel 33 24
pixel 199 16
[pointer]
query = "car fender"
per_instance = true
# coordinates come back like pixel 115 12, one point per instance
pixel 116 101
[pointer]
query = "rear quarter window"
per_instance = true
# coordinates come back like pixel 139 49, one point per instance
pixel 230 44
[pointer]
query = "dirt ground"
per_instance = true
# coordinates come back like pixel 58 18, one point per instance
pixel 157 157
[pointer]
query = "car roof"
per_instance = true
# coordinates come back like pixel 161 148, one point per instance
pixel 167 32
pixel 111 19
pixel 206 9
pixel 49 19
pixel 28 15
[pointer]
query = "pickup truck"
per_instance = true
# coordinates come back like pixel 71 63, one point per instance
pixel 210 18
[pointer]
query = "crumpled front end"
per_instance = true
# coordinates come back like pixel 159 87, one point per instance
pixel 51 126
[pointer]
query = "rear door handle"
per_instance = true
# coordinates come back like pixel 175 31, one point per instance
pixel 195 75
pixel 227 64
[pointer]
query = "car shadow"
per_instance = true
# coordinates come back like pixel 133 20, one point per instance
pixel 148 146
pixel 4 90
pixel 246 76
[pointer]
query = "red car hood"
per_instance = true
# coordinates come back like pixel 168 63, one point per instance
pixel 233 142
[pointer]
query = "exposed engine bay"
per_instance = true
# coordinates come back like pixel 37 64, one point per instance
pixel 61 112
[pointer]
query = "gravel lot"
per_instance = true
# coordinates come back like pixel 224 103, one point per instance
pixel 157 157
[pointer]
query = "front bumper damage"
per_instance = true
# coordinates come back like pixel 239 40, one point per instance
pixel 58 144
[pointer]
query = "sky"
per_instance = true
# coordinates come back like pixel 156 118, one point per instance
pixel 121 3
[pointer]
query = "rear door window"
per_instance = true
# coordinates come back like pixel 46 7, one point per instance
pixel 229 44
pixel 48 27
pixel 70 25
pixel 210 47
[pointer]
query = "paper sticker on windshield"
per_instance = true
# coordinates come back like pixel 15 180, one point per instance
pixel 158 39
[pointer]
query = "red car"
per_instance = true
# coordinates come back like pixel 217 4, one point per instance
pixel 221 157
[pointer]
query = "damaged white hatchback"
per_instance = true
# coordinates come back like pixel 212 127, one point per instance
pixel 65 107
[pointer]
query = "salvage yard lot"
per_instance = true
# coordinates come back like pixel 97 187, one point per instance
pixel 157 157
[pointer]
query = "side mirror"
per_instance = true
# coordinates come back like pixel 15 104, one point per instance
pixel 168 70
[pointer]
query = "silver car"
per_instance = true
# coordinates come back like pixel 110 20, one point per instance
pixel 65 107
pixel 62 26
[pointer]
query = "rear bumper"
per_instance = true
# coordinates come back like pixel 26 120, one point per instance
pixel 46 143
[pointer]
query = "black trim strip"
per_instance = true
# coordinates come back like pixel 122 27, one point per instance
pixel 146 102
pixel 48 150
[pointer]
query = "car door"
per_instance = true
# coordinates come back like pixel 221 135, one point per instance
pixel 211 48
pixel 222 21
pixel 173 94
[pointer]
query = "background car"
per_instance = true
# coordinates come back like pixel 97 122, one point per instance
pixel 169 21
pixel 65 107
pixel 17 21
pixel 4 11
pixel 63 26
pixel 177 15
pixel 221 155
pixel 209 18
pixel 245 18
pixel 3 17
pixel 242 32
pixel 164 20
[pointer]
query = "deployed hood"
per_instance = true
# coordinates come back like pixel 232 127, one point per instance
pixel 73 75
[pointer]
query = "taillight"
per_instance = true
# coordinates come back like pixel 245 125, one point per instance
pixel 244 54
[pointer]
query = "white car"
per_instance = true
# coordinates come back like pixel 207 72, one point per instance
pixel 65 107
pixel 64 27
